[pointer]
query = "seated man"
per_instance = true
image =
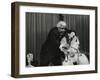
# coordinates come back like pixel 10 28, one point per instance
pixel 50 52
pixel 72 53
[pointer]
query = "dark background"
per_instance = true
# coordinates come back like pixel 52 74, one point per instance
pixel 38 26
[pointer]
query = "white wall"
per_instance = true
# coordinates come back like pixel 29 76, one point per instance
pixel 5 40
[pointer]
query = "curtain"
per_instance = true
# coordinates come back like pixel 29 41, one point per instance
pixel 38 26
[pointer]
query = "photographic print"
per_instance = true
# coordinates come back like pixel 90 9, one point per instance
pixel 50 39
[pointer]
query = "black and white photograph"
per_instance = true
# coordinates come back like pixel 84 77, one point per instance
pixel 57 39
pixel 52 39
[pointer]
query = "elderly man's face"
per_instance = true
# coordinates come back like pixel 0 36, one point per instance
pixel 61 28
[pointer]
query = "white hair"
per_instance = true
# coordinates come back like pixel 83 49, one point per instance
pixel 72 34
pixel 61 23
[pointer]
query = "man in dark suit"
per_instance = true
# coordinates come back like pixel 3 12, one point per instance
pixel 50 52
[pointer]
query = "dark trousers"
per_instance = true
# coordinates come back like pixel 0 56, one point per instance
pixel 56 61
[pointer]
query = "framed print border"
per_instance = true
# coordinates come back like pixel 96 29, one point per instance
pixel 15 38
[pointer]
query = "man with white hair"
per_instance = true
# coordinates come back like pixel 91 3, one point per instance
pixel 50 52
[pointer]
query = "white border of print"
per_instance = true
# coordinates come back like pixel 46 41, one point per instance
pixel 53 69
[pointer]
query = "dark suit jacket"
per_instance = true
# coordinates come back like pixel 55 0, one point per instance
pixel 50 49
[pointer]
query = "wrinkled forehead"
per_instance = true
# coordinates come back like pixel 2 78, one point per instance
pixel 61 24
